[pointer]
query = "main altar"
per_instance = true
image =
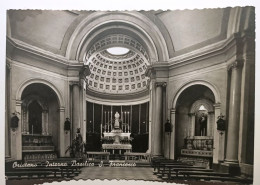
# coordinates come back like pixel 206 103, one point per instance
pixel 115 135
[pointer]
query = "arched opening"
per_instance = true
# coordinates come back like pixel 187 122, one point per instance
pixel 194 125
pixel 39 122
pixel 117 63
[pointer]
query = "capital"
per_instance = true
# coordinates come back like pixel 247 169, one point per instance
pixel 74 83
pixel 173 111
pixel 84 72
pixel 217 105
pixel 18 102
pixel 235 65
pixel 162 84
pixel 61 109
pixel 191 114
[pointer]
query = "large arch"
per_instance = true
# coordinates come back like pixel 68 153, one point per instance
pixel 134 20
pixel 212 87
pixel 41 81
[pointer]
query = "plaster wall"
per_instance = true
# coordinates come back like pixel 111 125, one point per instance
pixel 44 29
pixel 190 27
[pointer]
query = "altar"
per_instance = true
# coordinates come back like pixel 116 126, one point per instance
pixel 116 136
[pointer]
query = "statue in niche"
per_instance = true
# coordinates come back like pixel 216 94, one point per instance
pixel 203 124
pixel 117 120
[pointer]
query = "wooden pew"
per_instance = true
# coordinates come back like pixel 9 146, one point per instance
pixel 54 170
pixel 164 167
pixel 176 169
pixel 220 178
pixel 27 174
pixel 42 170
pixel 176 172
pixel 189 173
pixel 159 165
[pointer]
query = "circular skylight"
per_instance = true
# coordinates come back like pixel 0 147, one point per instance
pixel 118 50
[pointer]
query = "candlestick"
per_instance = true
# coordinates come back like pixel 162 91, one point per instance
pixel 101 130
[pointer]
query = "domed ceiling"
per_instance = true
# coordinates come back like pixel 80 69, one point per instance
pixel 118 70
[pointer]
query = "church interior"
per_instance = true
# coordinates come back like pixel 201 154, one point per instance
pixel 147 88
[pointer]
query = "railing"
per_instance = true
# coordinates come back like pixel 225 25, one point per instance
pixel 137 157
pixel 92 156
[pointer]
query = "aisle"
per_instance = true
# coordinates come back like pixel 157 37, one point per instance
pixel 128 173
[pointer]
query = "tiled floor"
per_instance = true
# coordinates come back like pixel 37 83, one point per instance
pixel 127 173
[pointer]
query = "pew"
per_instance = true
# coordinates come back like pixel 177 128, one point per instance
pixel 27 174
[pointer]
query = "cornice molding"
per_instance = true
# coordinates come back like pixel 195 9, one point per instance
pixel 131 101
pixel 35 50
pixel 117 97
pixel 51 58
pixel 221 47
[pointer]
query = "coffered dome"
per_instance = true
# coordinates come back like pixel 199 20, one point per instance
pixel 117 70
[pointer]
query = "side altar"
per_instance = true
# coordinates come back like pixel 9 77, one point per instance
pixel 116 136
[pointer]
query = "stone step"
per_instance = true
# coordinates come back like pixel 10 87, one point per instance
pixel 37 148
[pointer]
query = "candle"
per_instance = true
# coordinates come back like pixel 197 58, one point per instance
pixel 105 117
pixel 111 122
pixel 128 120
pixel 125 117
pixel 32 129
pixel 122 116
pixel 107 120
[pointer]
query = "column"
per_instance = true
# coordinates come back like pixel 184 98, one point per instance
pixel 16 135
pixel 7 108
pixel 24 119
pixel 210 123
pixel 84 110
pixel 247 109
pixel 75 108
pixel 158 118
pixel 139 129
pixel 63 138
pixel 219 140
pixel 234 113
pixel 172 148
pixel 192 124
pixel 151 115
